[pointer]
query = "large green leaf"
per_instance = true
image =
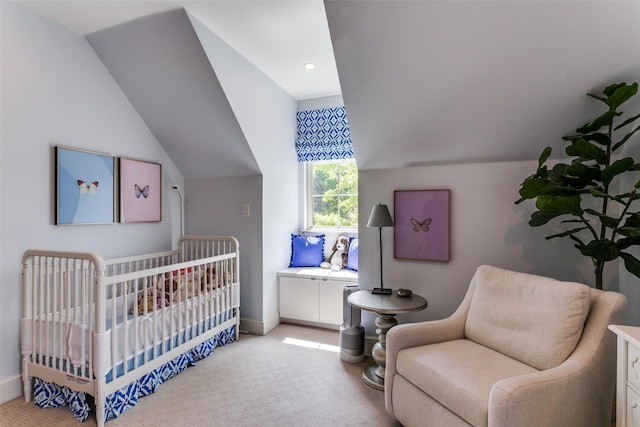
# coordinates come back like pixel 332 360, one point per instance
pixel 619 94
pixel 616 168
pixel 599 137
pixel 534 187
pixel 623 140
pixel 540 218
pixel 633 220
pixel 584 171
pixel 629 231
pixel 559 204
pixel 604 120
pixel 599 193
pixel 628 242
pixel 626 122
pixel 631 263
pixel 544 156
pixel 538 187
pixel 587 150
pixel 601 250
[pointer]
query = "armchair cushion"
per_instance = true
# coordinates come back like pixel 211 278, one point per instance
pixel 459 374
pixel 533 319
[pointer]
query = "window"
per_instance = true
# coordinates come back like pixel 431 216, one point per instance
pixel 332 194
pixel 323 144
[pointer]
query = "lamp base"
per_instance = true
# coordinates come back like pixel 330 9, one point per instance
pixel 381 291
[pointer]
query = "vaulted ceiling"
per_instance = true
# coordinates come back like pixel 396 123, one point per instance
pixel 423 82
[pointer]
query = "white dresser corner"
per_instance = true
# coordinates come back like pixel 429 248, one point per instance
pixel 628 375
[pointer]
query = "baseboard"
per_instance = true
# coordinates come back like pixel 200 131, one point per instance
pixel 10 389
pixel 271 323
pixel 253 327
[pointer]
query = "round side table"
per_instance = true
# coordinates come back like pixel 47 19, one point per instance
pixel 386 307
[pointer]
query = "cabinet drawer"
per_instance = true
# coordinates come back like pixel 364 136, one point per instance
pixel 633 408
pixel 633 366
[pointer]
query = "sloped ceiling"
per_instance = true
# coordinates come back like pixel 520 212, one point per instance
pixel 160 65
pixel 436 82
pixel 423 82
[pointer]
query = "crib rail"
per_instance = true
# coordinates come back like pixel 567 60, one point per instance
pixel 141 262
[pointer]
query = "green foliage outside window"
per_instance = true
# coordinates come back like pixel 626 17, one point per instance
pixel 334 194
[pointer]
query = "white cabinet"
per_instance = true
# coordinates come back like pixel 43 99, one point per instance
pixel 299 298
pixel 628 382
pixel 313 295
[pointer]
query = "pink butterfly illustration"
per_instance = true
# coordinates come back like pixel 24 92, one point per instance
pixel 87 188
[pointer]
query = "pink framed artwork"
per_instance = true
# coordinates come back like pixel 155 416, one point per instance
pixel 421 228
pixel 140 191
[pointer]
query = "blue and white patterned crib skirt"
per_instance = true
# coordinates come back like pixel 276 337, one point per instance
pixel 52 395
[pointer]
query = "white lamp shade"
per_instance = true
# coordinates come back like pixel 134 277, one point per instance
pixel 380 217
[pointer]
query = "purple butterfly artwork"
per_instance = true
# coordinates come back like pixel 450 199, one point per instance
pixel 144 192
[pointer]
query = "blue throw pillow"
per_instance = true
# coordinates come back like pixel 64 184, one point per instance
pixel 307 251
pixel 352 260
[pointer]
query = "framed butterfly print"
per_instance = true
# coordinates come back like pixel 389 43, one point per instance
pixel 85 187
pixel 421 227
pixel 140 191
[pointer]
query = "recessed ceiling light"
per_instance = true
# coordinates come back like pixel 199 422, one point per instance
pixel 309 65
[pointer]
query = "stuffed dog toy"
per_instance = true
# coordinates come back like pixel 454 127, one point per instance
pixel 338 258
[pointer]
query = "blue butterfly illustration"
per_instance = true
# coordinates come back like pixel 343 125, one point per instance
pixel 417 225
pixel 141 191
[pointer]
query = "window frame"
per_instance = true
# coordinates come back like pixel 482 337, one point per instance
pixel 308 200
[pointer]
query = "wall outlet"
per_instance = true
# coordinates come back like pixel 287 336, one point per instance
pixel 245 209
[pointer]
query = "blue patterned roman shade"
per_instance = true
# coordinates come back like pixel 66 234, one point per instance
pixel 323 135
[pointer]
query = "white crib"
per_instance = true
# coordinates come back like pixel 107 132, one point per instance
pixel 117 329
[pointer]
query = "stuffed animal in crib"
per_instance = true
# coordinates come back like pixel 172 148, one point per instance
pixel 185 283
pixel 211 280
pixel 338 258
pixel 147 303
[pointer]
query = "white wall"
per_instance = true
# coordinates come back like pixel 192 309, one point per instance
pixel 486 228
pixel 56 91
pixel 214 207
pixel 267 116
pixel 320 103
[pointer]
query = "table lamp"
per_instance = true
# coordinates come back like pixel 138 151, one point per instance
pixel 380 217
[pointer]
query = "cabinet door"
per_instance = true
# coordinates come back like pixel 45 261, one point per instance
pixel 299 298
pixel 331 295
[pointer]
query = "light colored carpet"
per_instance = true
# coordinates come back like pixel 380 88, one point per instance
pixel 256 381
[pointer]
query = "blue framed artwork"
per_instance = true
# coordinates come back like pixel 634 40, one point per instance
pixel 140 191
pixel 85 187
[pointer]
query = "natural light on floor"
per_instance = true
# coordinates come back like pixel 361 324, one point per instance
pixel 311 344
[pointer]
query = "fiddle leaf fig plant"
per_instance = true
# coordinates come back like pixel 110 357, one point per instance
pixel 602 219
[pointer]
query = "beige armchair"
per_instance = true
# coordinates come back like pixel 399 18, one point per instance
pixel 521 350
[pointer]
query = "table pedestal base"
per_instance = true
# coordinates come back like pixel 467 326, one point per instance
pixel 371 379
pixel 373 375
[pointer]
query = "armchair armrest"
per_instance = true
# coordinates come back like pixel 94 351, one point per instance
pixel 587 377
pixel 548 398
pixel 417 334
